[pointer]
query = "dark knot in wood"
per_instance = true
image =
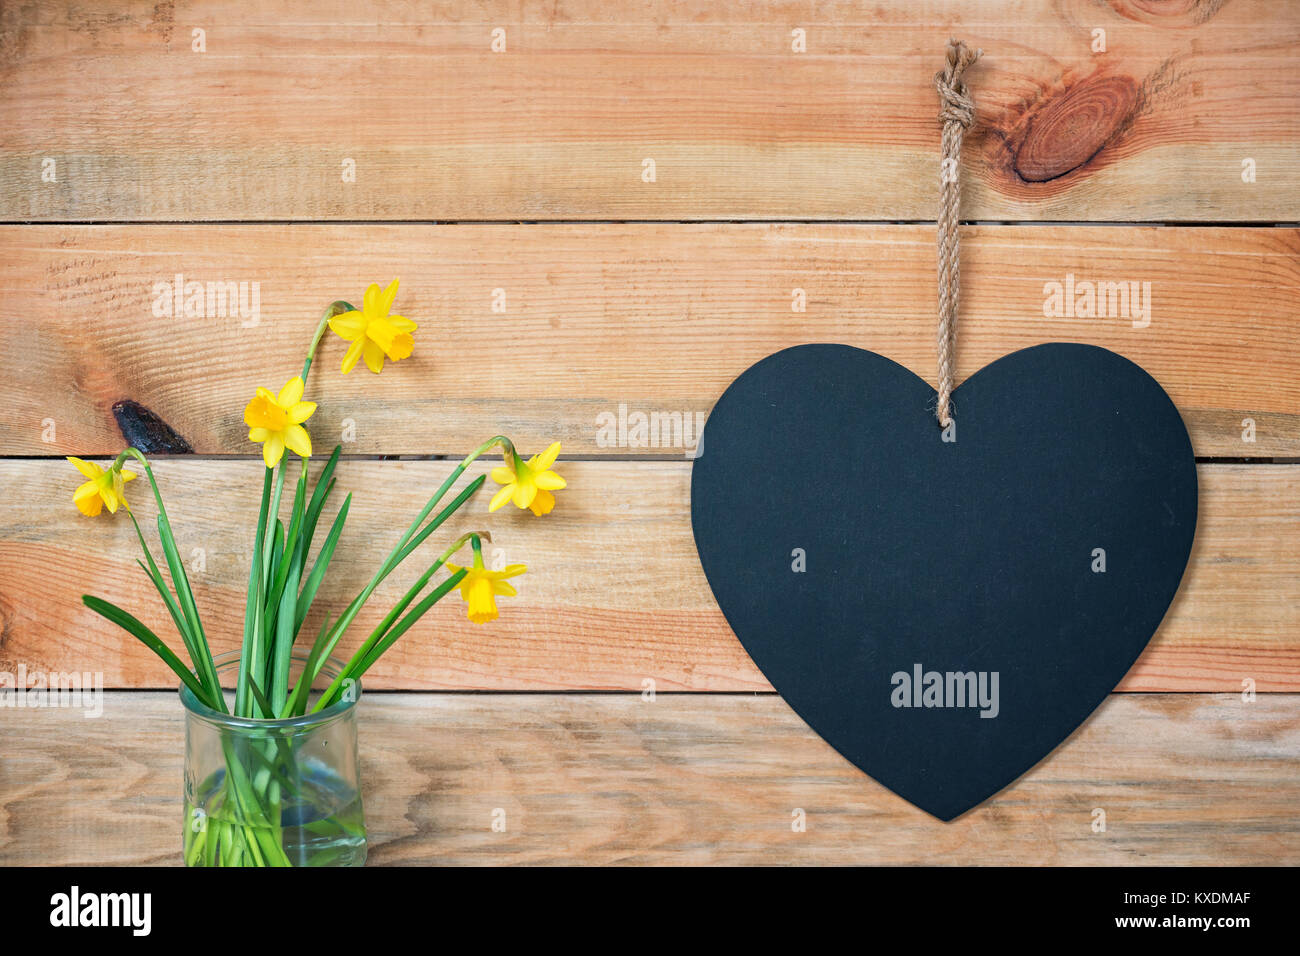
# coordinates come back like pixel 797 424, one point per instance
pixel 143 429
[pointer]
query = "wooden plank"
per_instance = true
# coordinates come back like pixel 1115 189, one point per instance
pixel 258 126
pixel 685 779
pixel 605 322
pixel 615 595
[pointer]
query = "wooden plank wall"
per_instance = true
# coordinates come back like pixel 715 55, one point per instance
pixel 129 158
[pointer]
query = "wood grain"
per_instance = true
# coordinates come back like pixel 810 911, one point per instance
pixel 685 779
pixel 615 595
pixel 557 126
pixel 109 116
pixel 609 321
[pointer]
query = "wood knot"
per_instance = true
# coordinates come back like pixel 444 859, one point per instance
pixel 144 429
pixel 1069 129
pixel 1168 13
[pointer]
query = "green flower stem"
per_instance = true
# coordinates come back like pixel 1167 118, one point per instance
pixel 231 854
pixel 257 652
pixel 338 307
pixel 194 842
pixel 251 836
pixel 272 516
pixel 264 845
pixel 253 608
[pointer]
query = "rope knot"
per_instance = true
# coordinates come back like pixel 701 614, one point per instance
pixel 957 105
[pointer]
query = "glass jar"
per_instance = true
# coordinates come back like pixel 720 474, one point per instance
pixel 262 792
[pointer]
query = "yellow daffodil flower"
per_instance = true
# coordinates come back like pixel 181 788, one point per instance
pixel 276 421
pixel 103 488
pixel 374 333
pixel 528 484
pixel 480 587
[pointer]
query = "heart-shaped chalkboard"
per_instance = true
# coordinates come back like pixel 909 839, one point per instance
pixel 944 614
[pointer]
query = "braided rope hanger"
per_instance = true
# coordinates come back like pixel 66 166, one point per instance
pixel 956 114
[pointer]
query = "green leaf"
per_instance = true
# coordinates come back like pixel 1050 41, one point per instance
pixel 324 485
pixel 331 638
pixel 308 533
pixel 252 609
pixel 270 607
pixel 277 549
pixel 442 516
pixel 151 571
pixel 284 636
pixel 318 570
pixel 400 552
pixel 185 597
pixel 226 842
pixel 178 619
pixel 296 703
pixel 375 636
pixel 366 656
pixel 196 641
pixel 261 701
pixel 150 640
pixel 289 550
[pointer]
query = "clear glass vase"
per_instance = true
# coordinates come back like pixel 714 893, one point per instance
pixel 273 792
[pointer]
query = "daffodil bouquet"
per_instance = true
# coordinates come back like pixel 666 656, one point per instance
pixel 258 790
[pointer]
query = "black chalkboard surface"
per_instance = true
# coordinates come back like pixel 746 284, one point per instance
pixel 944 613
